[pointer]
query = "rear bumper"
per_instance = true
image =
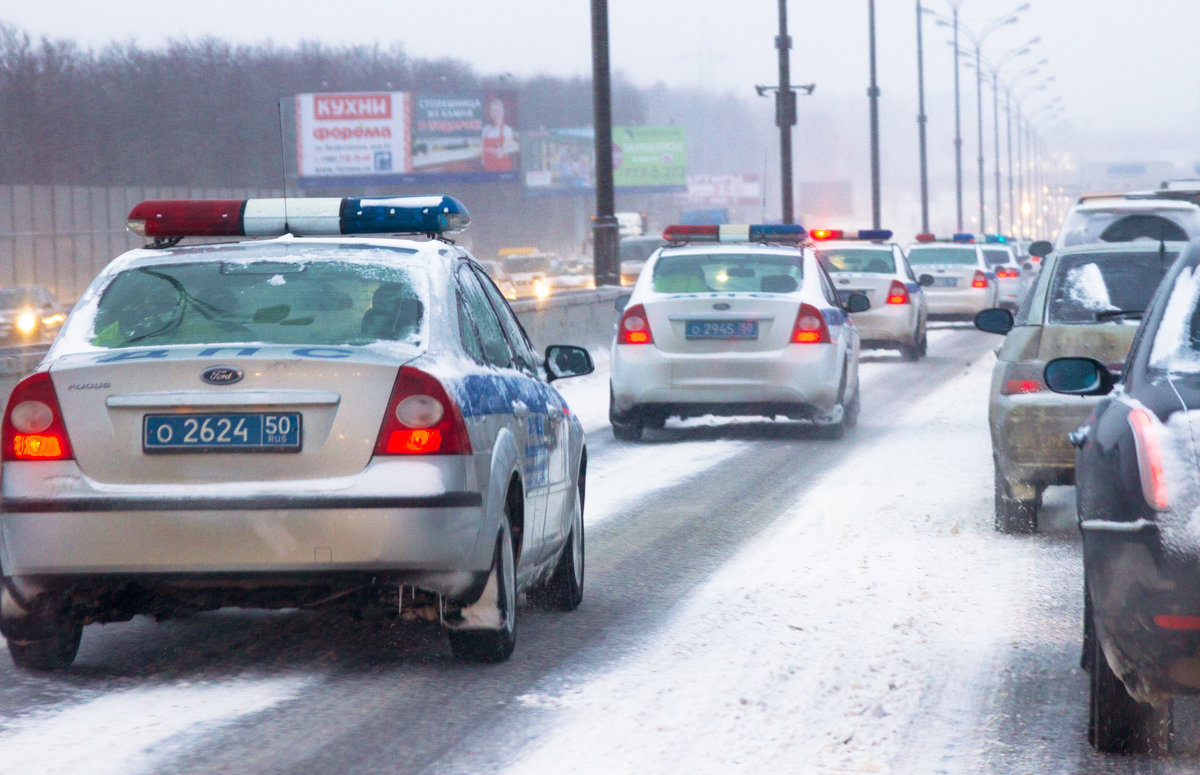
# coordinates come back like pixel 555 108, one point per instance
pixel 1132 580
pixel 887 323
pixel 1029 436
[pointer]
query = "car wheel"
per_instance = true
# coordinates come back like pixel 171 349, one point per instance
pixel 626 426
pixel 1118 723
pixel 655 422
pixel 56 651
pixel 564 590
pixel 489 633
pixel 849 418
pixel 854 408
pixel 916 350
pixel 1014 516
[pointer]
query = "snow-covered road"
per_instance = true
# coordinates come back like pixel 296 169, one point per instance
pixel 758 600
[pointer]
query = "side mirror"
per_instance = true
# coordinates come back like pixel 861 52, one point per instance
pixel 994 321
pixel 856 302
pixel 622 301
pixel 565 360
pixel 925 280
pixel 1041 248
pixel 1078 377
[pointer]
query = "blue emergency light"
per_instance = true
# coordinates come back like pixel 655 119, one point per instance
pixel 735 232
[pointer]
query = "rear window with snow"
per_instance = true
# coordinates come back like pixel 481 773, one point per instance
pixel 729 272
pixel 925 255
pixel 996 256
pixel 322 302
pixel 1084 226
pixel 875 260
pixel 1176 345
pixel 1089 287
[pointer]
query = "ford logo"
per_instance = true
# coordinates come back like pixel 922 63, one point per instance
pixel 221 375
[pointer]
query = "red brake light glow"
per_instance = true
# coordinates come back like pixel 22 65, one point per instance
pixel 1146 441
pixel 1177 622
pixel 827 234
pixel 1022 378
pixel 33 425
pixel 634 328
pixel 810 326
pixel 422 419
pixel 980 280
pixel 897 294
pixel 1008 273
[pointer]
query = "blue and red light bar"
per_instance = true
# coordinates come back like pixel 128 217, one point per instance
pixel 862 235
pixel 735 232
pixel 431 215
pixel 958 237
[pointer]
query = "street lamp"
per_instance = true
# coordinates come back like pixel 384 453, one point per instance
pixel 1013 215
pixel 1024 152
pixel 924 156
pixel 958 176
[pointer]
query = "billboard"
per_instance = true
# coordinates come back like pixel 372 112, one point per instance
pixel 646 159
pixel 730 190
pixel 381 138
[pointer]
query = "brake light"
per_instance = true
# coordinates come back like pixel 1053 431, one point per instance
pixel 1023 378
pixel 33 425
pixel 897 294
pixel 1177 622
pixel 810 326
pixel 980 280
pixel 1147 443
pixel 634 327
pixel 422 419
pixel 1009 273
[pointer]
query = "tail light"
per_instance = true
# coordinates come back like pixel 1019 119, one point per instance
pixel 980 280
pixel 897 294
pixel 33 423
pixel 421 419
pixel 810 326
pixel 1147 442
pixel 634 327
pixel 1022 378
pixel 1008 273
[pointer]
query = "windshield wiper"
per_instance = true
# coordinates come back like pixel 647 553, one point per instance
pixel 1120 313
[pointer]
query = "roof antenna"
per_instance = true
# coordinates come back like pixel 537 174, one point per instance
pixel 283 166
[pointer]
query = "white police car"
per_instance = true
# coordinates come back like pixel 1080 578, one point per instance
pixel 353 423
pixel 868 263
pixel 735 320
pixel 960 282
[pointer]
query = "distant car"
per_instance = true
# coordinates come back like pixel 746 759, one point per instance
pixel 961 282
pixel 1137 496
pixel 1087 300
pixel 1010 279
pixel 529 271
pixel 735 320
pixel 1128 219
pixel 28 314
pixel 307 422
pixel 878 269
pixel 572 275
pixel 633 253
pixel 500 277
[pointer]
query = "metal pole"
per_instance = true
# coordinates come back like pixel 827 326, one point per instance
pixel 785 116
pixel 873 96
pixel 996 140
pixel 921 125
pixel 958 174
pixel 979 120
pixel 1012 212
pixel 606 266
pixel 1024 229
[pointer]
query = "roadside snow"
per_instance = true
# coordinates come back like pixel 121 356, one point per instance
pixel 812 650
pixel 118 734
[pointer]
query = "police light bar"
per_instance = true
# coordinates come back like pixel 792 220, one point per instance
pixel 735 232
pixel 963 237
pixel 172 218
pixel 995 238
pixel 862 235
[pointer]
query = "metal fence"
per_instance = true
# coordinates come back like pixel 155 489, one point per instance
pixel 61 236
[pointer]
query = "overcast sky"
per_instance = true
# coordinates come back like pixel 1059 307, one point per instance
pixel 1125 70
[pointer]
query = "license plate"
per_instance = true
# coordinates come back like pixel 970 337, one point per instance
pixel 251 432
pixel 721 329
pixel 945 282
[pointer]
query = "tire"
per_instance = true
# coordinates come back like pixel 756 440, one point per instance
pixel 1015 517
pixel 564 590
pixel 849 419
pixel 56 651
pixel 854 408
pixel 1117 722
pixel 655 422
pixel 626 426
pixel 487 644
pixel 916 350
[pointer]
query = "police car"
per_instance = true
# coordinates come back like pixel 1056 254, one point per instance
pixel 301 422
pixel 735 320
pixel 866 262
pixel 960 284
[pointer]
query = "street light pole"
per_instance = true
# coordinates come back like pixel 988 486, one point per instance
pixel 873 96
pixel 785 116
pixel 958 175
pixel 979 121
pixel 924 160
pixel 606 266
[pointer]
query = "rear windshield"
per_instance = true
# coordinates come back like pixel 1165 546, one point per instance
pixel 1084 226
pixel 1087 286
pixel 328 302
pixel 728 272
pixel 857 260
pixel 996 256
pixel 922 256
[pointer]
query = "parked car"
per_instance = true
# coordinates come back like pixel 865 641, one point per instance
pixel 1138 502
pixel 734 320
pixel 326 422
pixel 1086 301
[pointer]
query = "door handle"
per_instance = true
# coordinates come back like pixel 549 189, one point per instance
pixel 520 410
